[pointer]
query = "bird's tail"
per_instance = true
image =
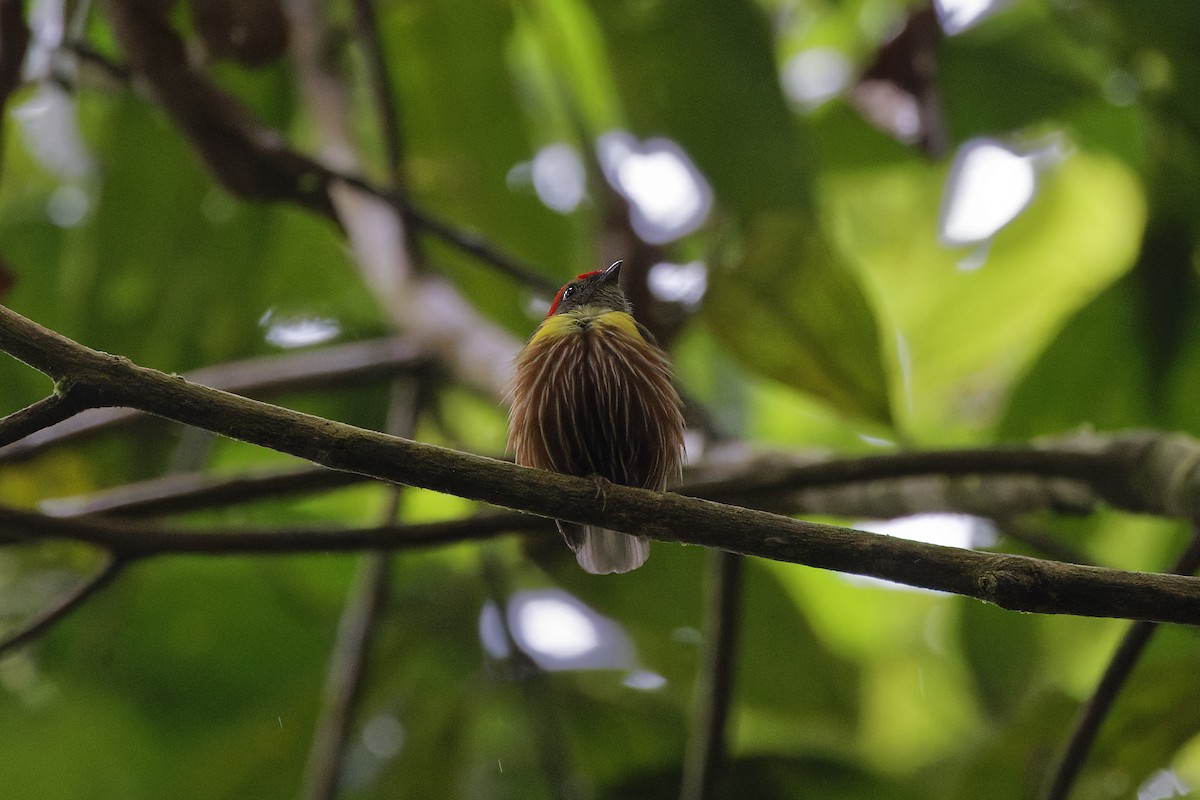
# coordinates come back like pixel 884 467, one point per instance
pixel 601 551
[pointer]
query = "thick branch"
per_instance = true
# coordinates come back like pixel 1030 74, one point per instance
pixel 250 159
pixel 261 376
pixel 1012 582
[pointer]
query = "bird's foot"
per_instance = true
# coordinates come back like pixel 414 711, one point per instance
pixel 602 485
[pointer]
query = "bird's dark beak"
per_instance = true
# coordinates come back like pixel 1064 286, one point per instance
pixel 612 274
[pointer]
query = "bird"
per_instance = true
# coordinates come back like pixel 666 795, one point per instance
pixel 593 396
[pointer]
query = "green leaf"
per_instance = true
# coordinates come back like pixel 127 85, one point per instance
pixel 968 333
pixel 792 310
pixel 703 73
pixel 1098 349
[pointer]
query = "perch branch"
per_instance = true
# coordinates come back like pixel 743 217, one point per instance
pixel 1013 582
pixel 258 377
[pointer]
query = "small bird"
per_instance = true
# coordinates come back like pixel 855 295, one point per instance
pixel 593 396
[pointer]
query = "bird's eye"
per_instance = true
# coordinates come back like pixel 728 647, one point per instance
pixel 570 290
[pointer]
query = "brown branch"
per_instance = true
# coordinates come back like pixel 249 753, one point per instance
pixel 250 159
pixel 1013 582
pixel 62 607
pixel 707 748
pixel 366 26
pixel 360 615
pixel 537 693
pixel 14 39
pixel 344 679
pixel 474 245
pixel 177 494
pixel 141 540
pixel 42 414
pixel 1093 713
pixel 258 377
pixel 1097 470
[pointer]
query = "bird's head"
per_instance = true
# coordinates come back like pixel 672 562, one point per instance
pixel 599 290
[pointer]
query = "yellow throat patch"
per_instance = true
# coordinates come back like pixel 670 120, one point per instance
pixel 577 320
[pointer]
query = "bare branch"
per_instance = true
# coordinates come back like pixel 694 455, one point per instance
pixel 250 159
pixel 347 662
pixel 365 599
pixel 63 606
pixel 183 492
pixel 42 414
pixel 706 750
pixel 141 540
pixel 14 39
pixel 1093 713
pixel 256 377
pixel 366 26
pixel 1013 582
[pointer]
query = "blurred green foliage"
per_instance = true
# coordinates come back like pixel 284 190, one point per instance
pixel 834 318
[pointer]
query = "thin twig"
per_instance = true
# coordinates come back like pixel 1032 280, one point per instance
pixel 706 753
pixel 143 540
pixel 475 245
pixel 178 494
pixel 33 418
pixel 366 25
pixel 343 681
pixel 51 615
pixel 360 614
pixel 1093 713
pixel 536 691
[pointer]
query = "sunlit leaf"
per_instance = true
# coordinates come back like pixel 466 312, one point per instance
pixel 966 329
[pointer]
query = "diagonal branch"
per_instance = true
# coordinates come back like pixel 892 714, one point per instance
pixel 33 418
pixel 63 606
pixel 1013 582
pixel 1093 713
pixel 259 376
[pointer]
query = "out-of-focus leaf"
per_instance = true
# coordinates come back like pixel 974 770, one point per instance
pixel 703 74
pixel 782 664
pixel 78 742
pixel 966 333
pixel 464 133
pixel 1020 70
pixel 792 310
pixel 571 59
pixel 1142 734
pixel 1012 761
pixel 1000 649
pixel 1100 348
pixel 1146 727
